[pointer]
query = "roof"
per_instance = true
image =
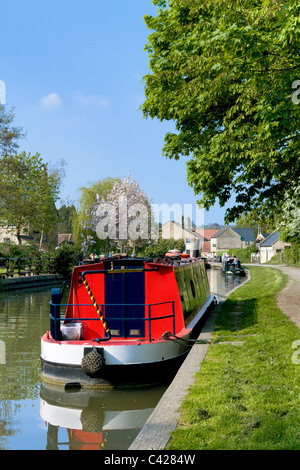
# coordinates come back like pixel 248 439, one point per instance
pixel 219 232
pixel 270 240
pixel 246 234
pixel 65 238
pixel 207 232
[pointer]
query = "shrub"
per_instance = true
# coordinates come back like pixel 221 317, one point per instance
pixel 243 254
pixel 65 258
pixel 161 247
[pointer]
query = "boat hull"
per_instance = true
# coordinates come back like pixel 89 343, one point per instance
pixel 130 375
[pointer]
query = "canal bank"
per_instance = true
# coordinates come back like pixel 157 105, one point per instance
pixel 246 395
pixel 27 282
pixel 157 430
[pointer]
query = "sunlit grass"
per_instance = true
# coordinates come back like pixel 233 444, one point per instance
pixel 246 396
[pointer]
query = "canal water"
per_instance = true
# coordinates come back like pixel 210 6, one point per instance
pixel 38 417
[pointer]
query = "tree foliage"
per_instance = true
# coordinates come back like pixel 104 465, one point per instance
pixel 66 216
pixel 83 227
pixel 289 224
pixel 223 72
pixel 27 193
pixel 9 134
pixel 124 215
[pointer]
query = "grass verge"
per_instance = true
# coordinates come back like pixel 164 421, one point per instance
pixel 246 395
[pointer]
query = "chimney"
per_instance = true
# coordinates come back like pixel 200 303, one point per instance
pixel 188 222
pixel 181 221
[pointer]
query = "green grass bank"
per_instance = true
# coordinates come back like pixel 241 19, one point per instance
pixel 247 394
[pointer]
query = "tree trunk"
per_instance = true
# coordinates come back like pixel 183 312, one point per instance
pixel 19 237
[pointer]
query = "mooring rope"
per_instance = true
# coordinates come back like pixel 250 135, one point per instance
pixel 96 307
pixel 168 336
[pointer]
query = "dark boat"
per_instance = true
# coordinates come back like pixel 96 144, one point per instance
pixel 232 266
pixel 128 321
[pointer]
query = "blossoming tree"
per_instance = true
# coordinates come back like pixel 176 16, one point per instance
pixel 124 216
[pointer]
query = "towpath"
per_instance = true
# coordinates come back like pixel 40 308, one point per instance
pixel 288 299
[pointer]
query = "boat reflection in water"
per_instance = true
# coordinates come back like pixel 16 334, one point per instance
pixel 89 419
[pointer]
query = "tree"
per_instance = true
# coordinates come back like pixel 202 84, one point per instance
pixel 289 225
pixel 9 135
pixel 83 226
pixel 225 72
pixel 27 193
pixel 66 215
pixel 124 216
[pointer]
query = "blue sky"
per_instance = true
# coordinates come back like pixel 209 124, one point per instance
pixel 73 72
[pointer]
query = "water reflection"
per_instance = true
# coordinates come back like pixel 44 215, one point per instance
pixel 221 284
pixel 95 420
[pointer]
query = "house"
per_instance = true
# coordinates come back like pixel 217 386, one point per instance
pixel 207 234
pixel 8 235
pixel 260 238
pixel 184 230
pixel 230 237
pixel 271 246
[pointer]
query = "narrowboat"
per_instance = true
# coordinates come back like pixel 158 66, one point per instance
pixel 128 321
pixel 232 266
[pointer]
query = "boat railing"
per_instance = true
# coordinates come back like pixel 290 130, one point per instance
pixel 56 319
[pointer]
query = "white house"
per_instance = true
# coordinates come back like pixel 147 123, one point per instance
pixel 271 246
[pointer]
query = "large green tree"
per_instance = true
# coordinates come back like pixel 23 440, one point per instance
pixel 226 73
pixel 28 192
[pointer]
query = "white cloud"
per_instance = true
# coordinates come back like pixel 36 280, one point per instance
pixel 51 101
pixel 92 100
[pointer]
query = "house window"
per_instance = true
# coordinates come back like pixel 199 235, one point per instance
pixel 214 245
pixel 187 240
pixel 6 240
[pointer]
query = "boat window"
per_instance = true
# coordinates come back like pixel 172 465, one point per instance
pixel 134 332
pixel 115 332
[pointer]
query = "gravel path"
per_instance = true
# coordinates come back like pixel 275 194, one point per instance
pixel 288 300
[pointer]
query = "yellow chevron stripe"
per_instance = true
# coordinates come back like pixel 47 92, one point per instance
pixel 95 304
